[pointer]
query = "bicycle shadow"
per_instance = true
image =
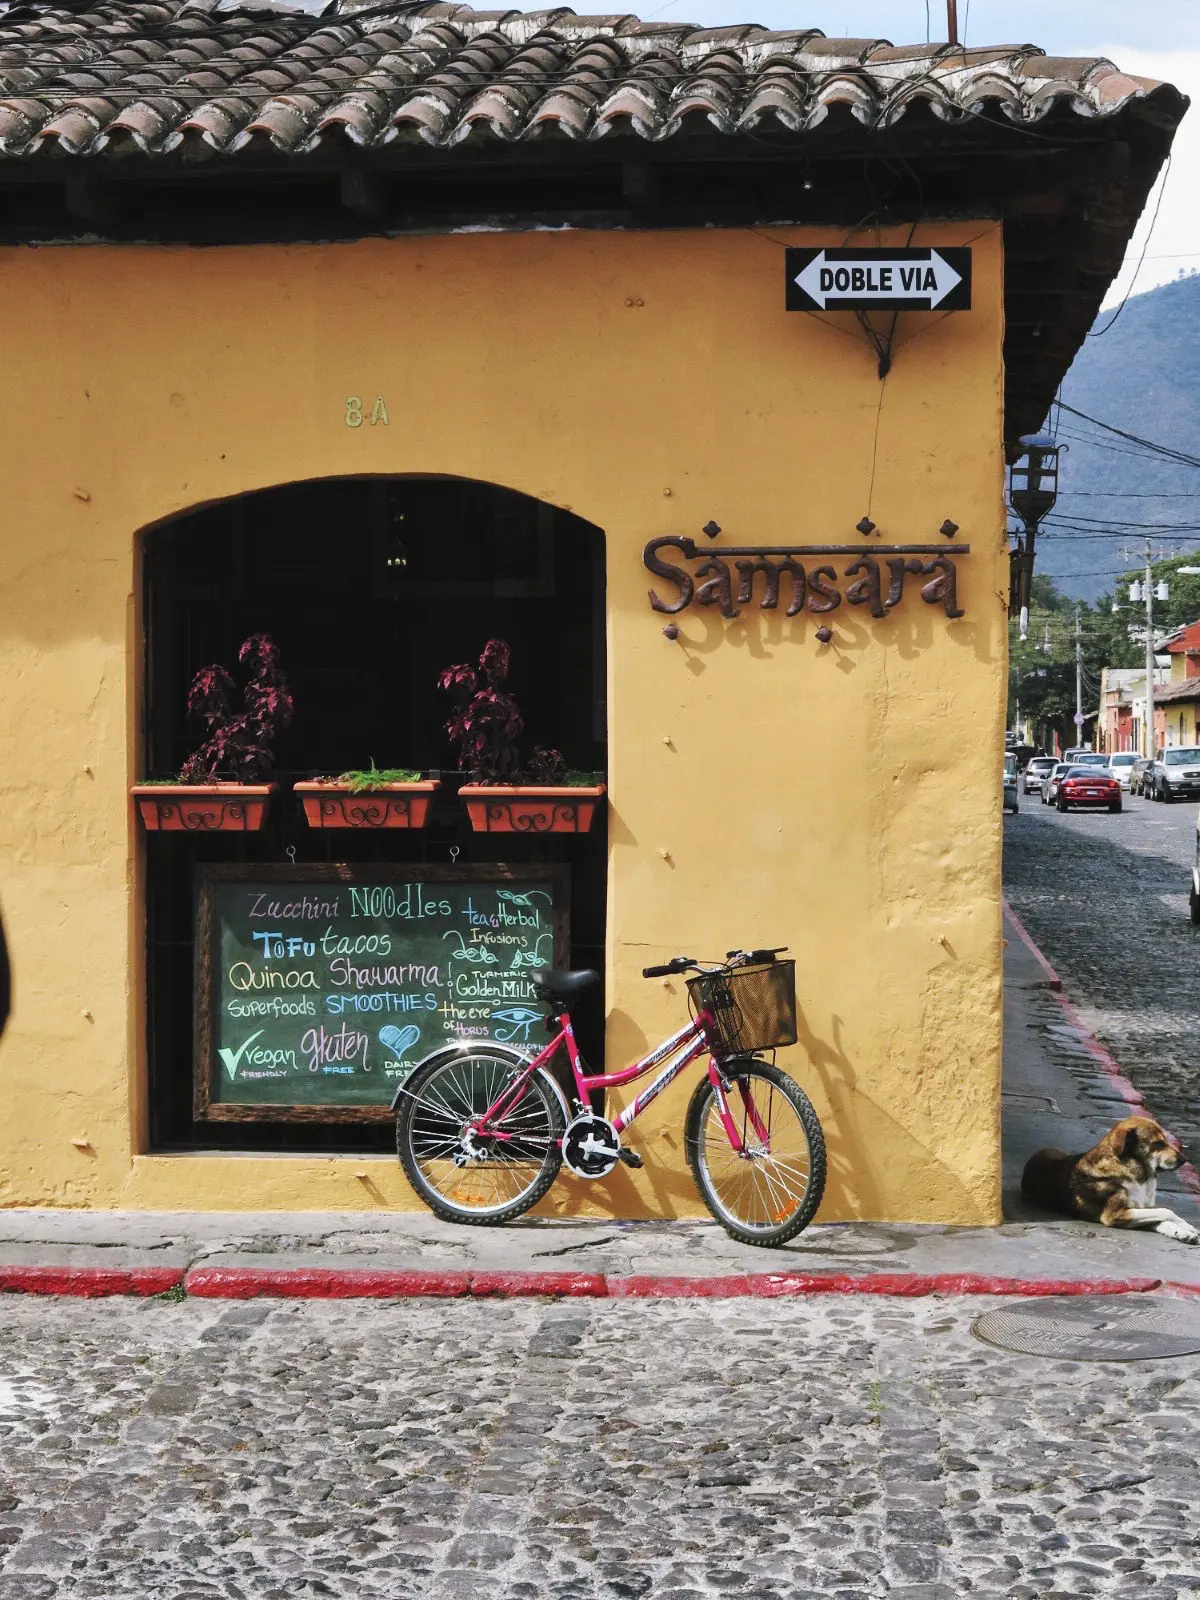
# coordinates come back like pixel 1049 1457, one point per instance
pixel 871 1155
pixel 860 1133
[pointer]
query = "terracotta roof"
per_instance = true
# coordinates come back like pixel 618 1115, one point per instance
pixel 158 75
pixel 1185 689
pixel 1185 641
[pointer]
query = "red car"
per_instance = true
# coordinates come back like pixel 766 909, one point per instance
pixel 1088 786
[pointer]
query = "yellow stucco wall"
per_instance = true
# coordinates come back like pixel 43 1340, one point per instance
pixel 843 801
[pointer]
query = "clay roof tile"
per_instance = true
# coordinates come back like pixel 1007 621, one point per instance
pixel 160 71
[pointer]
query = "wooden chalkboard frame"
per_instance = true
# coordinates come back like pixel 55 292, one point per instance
pixel 208 874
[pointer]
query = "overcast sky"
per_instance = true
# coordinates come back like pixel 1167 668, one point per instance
pixel 1150 38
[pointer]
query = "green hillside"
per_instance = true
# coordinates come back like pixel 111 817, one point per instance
pixel 1143 375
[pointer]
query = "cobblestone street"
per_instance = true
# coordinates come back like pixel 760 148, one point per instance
pixel 769 1449
pixel 677 1449
pixel 1106 898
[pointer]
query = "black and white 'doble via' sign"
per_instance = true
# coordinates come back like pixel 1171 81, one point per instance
pixel 853 279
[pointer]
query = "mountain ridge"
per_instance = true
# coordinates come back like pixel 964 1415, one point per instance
pixel 1137 371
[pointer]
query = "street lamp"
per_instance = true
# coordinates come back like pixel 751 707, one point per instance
pixel 1032 491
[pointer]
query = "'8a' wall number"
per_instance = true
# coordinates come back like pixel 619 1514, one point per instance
pixel 356 413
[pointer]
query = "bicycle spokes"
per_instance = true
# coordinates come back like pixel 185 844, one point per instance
pixel 472 1161
pixel 762 1180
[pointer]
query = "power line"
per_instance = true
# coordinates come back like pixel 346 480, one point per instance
pixel 1115 525
pixel 1147 444
pixel 1162 189
pixel 1109 448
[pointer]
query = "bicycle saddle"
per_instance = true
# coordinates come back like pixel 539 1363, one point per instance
pixel 559 985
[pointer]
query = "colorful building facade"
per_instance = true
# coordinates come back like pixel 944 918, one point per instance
pixel 391 332
pixel 1180 696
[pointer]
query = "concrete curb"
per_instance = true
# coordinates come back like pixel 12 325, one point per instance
pixel 326 1283
pixel 1104 1059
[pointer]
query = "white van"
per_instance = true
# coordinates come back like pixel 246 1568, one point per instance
pixel 1121 765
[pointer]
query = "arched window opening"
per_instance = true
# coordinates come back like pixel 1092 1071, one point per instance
pixel 369 587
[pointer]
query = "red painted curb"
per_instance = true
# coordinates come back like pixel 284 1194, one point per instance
pixel 89 1282
pixel 331 1283
pixel 647 1286
pixel 323 1283
pixel 589 1285
pixel 1105 1060
pixel 771 1286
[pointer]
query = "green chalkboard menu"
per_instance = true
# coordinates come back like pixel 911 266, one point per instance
pixel 319 988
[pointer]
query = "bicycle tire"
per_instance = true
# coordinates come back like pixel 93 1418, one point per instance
pixel 430 1121
pixel 777 1192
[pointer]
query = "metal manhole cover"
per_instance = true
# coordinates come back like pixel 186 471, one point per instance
pixel 1134 1327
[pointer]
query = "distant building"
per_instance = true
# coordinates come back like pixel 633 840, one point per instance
pixel 1180 698
pixel 1122 710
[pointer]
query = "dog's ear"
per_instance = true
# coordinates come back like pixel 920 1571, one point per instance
pixel 1131 1144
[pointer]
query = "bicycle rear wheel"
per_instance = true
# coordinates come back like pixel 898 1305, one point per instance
pixel 769 1191
pixel 467 1177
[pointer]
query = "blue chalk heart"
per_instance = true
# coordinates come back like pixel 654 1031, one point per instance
pixel 399 1040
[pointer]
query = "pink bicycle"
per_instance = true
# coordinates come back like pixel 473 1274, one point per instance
pixel 483 1128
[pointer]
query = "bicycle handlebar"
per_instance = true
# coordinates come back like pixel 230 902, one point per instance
pixel 732 957
pixel 676 964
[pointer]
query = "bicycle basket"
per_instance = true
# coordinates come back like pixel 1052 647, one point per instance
pixel 754 1007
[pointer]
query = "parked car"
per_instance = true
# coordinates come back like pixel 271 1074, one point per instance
pixel 1121 764
pixel 1051 782
pixel 1174 773
pixel 1138 773
pixel 1010 783
pixel 1037 770
pixel 1088 786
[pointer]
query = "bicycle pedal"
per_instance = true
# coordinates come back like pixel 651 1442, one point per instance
pixel 629 1157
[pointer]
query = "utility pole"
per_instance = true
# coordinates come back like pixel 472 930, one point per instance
pixel 952 20
pixel 1078 678
pixel 1148 591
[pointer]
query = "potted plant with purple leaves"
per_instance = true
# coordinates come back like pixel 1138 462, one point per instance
pixel 501 795
pixel 224 785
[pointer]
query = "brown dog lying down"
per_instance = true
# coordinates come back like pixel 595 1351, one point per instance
pixel 1113 1183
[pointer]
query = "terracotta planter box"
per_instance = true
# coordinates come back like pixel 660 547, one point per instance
pixel 391 805
pixel 203 807
pixel 501 808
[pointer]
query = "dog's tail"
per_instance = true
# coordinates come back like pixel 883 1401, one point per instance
pixel 1045 1179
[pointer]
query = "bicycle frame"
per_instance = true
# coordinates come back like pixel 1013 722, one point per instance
pixel 682 1048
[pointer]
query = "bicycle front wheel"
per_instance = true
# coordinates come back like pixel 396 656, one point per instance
pixel 769 1190
pixel 465 1176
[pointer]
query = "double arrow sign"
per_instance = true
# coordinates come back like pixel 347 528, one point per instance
pixel 879 280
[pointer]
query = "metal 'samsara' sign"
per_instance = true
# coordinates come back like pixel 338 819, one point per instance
pixel 853 279
pixel 729 577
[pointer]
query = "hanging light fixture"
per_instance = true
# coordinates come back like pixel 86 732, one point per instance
pixel 1032 491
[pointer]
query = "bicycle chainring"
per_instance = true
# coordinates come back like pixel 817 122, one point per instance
pixel 591 1146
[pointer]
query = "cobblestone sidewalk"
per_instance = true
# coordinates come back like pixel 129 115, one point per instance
pixel 1106 899
pixel 535 1451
